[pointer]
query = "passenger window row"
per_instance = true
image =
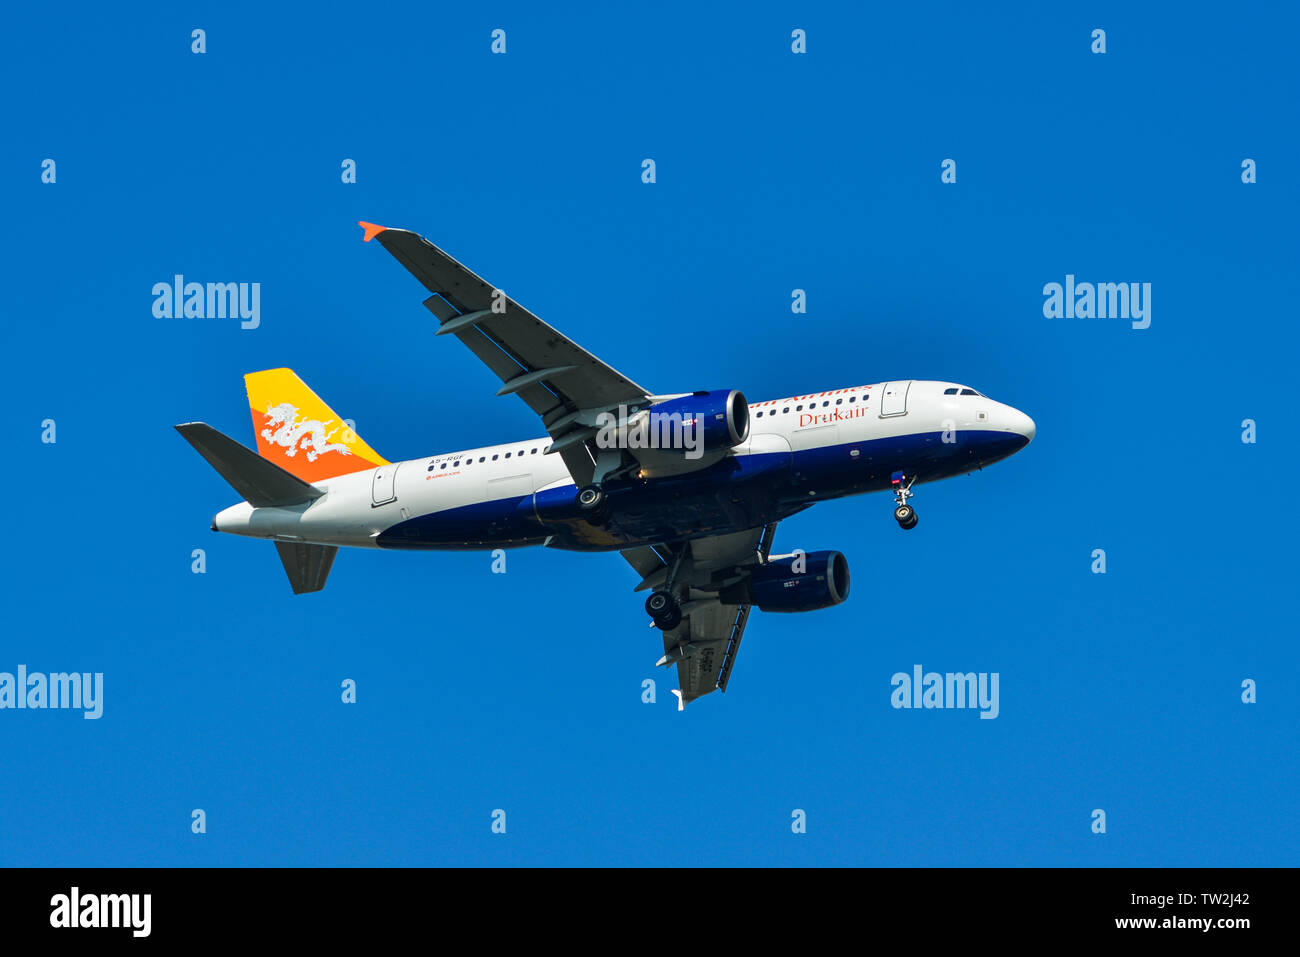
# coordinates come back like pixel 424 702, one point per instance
pixel 770 412
pixel 482 458
pixel 811 405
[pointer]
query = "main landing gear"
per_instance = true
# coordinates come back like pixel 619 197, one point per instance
pixel 904 514
pixel 593 504
pixel 663 610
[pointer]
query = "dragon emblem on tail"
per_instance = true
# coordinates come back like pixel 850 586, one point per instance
pixel 310 435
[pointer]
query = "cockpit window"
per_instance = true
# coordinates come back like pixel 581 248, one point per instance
pixel 969 392
pixel 949 391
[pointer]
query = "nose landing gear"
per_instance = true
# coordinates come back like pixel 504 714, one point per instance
pixel 904 514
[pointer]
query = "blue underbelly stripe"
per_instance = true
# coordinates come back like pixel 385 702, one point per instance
pixel 737 493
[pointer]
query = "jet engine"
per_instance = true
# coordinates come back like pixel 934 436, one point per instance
pixel 709 421
pixel 798 582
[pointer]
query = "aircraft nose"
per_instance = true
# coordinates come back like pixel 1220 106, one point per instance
pixel 1024 425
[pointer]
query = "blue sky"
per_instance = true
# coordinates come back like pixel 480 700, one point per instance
pixel 775 171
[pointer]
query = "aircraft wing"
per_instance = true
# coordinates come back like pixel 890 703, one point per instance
pixel 715 632
pixel 562 382
pixel 705 644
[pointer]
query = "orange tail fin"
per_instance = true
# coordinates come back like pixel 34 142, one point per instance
pixel 297 431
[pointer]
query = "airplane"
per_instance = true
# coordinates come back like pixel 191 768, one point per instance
pixel 688 487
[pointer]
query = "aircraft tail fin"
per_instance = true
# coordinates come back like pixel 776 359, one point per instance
pixel 297 431
pixel 261 483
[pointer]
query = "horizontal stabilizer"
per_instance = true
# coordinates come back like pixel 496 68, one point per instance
pixel 306 565
pixel 262 483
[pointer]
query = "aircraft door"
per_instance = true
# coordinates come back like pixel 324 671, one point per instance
pixel 893 401
pixel 383 488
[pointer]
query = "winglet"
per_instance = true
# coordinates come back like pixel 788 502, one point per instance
pixel 371 231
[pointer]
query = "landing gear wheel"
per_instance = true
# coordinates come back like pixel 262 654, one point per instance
pixel 591 498
pixel 663 608
pixel 593 504
pixel 670 622
pixel 904 514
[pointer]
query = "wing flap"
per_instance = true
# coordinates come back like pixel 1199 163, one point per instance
pixel 707 629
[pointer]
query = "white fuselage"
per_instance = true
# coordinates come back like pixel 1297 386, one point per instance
pixel 357 508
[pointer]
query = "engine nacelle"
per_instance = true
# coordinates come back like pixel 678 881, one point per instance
pixel 800 582
pixel 711 421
